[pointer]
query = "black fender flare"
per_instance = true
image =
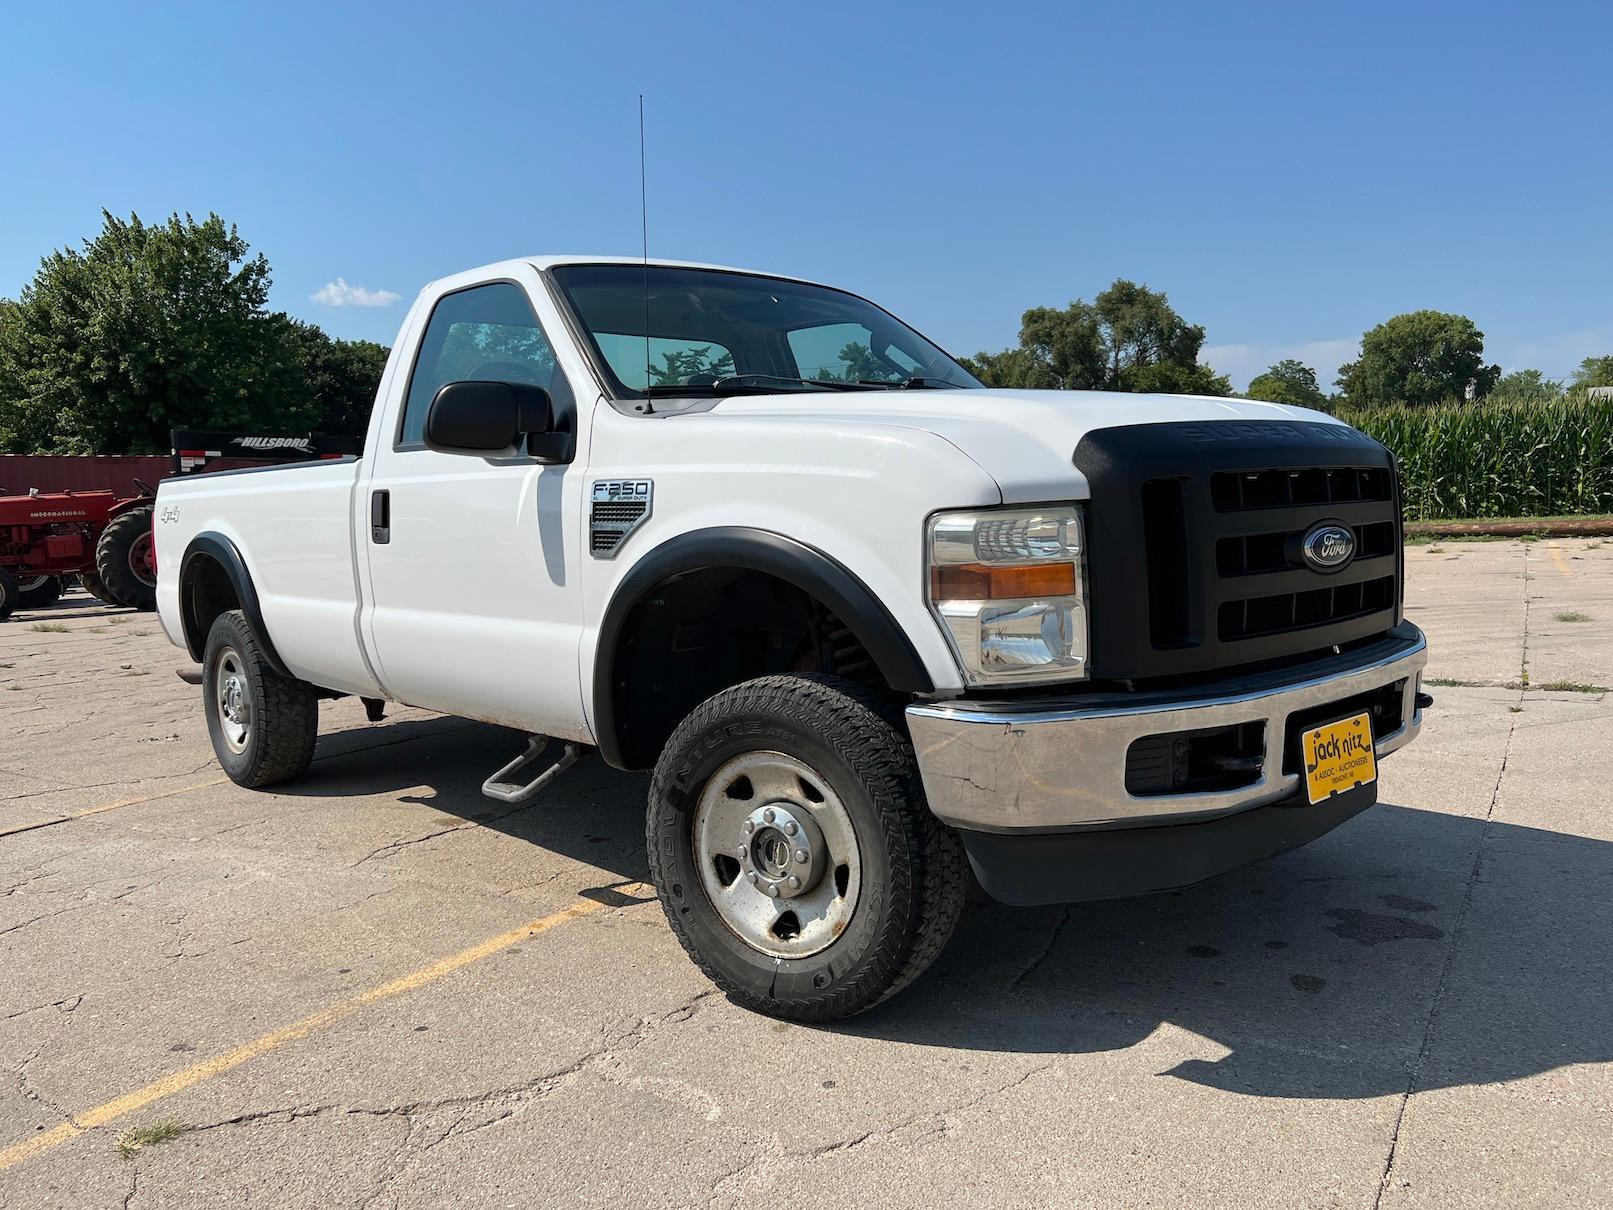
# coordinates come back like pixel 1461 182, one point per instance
pixel 219 549
pixel 751 549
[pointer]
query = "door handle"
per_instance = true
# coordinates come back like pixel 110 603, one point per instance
pixel 381 516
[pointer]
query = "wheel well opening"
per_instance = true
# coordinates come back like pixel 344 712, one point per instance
pixel 697 634
pixel 208 593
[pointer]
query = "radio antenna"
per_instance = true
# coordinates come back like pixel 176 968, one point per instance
pixel 644 232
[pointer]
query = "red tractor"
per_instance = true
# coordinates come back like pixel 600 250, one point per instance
pixel 104 541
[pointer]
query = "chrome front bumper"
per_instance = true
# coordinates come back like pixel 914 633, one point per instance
pixel 1013 766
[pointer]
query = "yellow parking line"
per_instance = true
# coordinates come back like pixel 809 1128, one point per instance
pixel 1557 556
pixel 111 806
pixel 78 1123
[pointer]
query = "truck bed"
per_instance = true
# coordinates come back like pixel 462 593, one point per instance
pixel 294 531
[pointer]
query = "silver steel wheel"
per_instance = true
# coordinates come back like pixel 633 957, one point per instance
pixel 778 855
pixel 233 699
pixel 32 583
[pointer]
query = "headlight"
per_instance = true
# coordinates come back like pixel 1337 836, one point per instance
pixel 1007 584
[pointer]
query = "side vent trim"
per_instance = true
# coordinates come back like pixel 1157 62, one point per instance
pixel 618 507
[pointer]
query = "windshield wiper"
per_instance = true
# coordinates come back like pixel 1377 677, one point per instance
pixel 747 379
pixel 915 383
pixel 757 383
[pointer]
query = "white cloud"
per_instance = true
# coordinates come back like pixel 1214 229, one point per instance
pixel 339 294
pixel 1243 362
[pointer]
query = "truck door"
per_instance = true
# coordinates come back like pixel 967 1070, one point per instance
pixel 473 605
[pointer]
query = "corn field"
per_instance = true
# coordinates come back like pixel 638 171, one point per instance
pixel 1499 459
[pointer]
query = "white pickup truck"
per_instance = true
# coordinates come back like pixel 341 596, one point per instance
pixel 869 622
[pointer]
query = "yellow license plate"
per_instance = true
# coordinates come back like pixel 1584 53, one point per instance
pixel 1339 757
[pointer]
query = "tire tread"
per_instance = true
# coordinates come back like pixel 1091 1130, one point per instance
pixel 867 728
pixel 285 710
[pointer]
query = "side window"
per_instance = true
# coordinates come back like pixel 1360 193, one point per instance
pixel 484 334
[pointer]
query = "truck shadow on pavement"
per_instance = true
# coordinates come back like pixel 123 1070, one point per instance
pixel 593 813
pixel 1408 946
pixel 1378 956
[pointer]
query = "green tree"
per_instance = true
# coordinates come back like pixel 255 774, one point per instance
pixel 1417 358
pixel 1127 339
pixel 1594 372
pixel 1525 386
pixel 1288 381
pixel 146 328
pixel 339 377
pixel 153 327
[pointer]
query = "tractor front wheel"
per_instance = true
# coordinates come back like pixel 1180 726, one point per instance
pixel 39 592
pixel 9 593
pixel 92 584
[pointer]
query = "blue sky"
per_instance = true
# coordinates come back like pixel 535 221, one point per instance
pixel 1289 174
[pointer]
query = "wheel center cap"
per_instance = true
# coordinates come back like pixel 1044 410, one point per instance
pixel 781 850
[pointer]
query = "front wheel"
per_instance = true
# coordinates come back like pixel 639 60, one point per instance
pixel 793 851
pixel 39 592
pixel 10 594
pixel 92 585
pixel 263 725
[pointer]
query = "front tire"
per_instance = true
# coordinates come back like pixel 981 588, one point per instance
pixel 40 592
pixel 793 852
pixel 263 725
pixel 10 594
pixel 92 585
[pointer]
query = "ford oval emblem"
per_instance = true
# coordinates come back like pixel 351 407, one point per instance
pixel 1328 546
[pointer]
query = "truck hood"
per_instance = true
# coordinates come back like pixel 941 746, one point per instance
pixel 1025 440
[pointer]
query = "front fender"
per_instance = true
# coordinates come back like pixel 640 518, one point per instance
pixel 751 549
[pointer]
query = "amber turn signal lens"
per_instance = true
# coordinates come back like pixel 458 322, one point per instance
pixel 984 582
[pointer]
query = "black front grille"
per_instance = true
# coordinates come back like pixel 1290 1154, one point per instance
pixel 1253 617
pixel 1254 554
pixel 1206 523
pixel 1234 491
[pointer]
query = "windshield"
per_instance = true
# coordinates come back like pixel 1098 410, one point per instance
pixel 715 332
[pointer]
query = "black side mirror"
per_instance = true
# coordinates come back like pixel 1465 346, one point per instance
pixel 486 417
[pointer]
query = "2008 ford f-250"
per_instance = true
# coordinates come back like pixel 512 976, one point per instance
pixel 865 619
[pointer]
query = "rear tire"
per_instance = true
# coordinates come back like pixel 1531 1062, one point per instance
pixel 10 594
pixel 123 559
pixel 777 785
pixel 263 725
pixel 40 593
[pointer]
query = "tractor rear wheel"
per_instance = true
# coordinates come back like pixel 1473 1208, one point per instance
pixel 9 593
pixel 126 560
pixel 39 592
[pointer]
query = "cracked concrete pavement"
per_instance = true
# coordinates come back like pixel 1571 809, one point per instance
pixel 1410 1012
